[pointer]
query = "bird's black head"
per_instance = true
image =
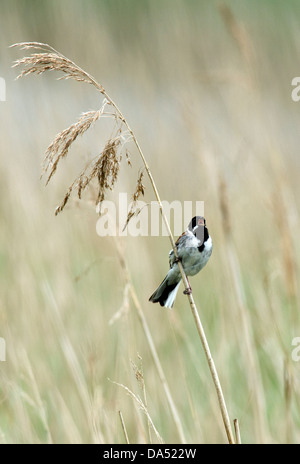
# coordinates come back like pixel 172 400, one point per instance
pixel 198 227
pixel 197 221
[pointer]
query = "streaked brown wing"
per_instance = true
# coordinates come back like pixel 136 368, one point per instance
pixel 177 241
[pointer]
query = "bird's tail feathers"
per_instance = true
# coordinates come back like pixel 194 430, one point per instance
pixel 165 294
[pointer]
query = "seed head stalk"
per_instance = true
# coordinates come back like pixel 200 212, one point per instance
pixel 104 169
pixel 199 326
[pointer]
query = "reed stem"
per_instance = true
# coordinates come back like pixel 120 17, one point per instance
pixel 52 59
pixel 193 306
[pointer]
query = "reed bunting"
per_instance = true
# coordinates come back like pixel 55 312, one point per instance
pixel 194 248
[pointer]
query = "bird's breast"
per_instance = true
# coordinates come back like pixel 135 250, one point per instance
pixel 193 260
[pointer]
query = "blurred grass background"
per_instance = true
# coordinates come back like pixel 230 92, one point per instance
pixel 206 86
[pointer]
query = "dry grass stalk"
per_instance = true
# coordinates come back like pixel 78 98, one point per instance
pixel 142 407
pixel 281 219
pixel 68 421
pixel 80 183
pixel 124 308
pixel 224 207
pixel 139 375
pixel 288 382
pixel 241 37
pixel 254 377
pixel 151 344
pixel 124 428
pixel 37 401
pixel 138 372
pixel 50 59
pixel 74 366
pixel 238 440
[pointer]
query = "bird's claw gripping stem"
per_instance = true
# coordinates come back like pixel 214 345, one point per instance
pixel 187 291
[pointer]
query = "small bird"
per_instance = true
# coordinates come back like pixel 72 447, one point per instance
pixel 194 248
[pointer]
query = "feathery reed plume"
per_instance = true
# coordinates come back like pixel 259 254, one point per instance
pixel 140 190
pixel 59 148
pixel 50 59
pixel 106 168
